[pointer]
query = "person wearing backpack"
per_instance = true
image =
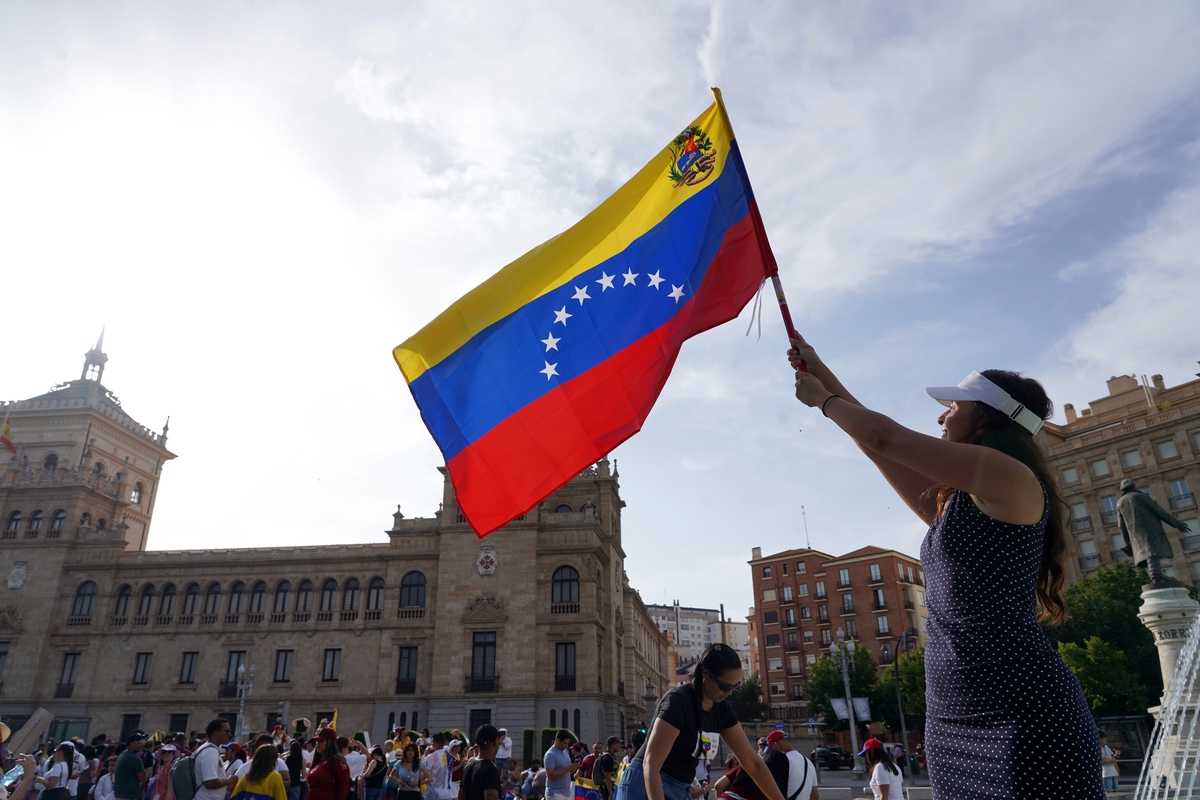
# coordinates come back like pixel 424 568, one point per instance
pixel 201 776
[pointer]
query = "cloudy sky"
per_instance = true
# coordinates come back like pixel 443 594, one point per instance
pixel 260 199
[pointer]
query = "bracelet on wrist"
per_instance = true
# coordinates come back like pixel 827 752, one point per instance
pixel 827 399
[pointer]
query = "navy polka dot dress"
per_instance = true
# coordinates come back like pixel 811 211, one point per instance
pixel 1004 715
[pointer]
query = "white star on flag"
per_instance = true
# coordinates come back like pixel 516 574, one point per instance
pixel 676 292
pixel 629 277
pixel 549 371
pixel 562 316
pixel 606 282
pixel 655 279
pixel 581 295
pixel 550 342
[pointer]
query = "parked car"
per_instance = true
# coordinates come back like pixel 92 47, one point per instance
pixel 833 757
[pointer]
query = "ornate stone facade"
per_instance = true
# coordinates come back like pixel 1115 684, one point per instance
pixel 429 628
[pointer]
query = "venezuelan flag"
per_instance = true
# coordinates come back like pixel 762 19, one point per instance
pixel 586 790
pixel 548 365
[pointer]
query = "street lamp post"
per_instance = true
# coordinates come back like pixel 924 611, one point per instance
pixel 243 691
pixel 902 644
pixel 843 655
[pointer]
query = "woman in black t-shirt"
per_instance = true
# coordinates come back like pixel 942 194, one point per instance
pixel 665 766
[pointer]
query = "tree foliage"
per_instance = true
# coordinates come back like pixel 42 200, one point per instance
pixel 825 682
pixel 912 689
pixel 1108 685
pixel 747 700
pixel 1105 605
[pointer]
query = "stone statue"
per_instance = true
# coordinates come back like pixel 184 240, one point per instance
pixel 1141 519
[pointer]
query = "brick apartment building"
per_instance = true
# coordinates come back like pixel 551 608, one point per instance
pixel 803 597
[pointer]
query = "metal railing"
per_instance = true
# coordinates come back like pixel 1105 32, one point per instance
pixel 1108 517
pixel 1081 524
pixel 406 686
pixel 79 622
pixel 564 608
pixel 564 683
pixel 414 612
pixel 64 690
pixel 227 689
pixel 1089 562
pixel 1182 501
pixel 482 685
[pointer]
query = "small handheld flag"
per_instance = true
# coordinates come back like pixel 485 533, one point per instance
pixel 548 365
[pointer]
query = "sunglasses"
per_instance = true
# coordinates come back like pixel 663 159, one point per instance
pixel 726 687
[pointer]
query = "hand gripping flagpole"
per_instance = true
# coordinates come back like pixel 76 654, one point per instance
pixel 760 231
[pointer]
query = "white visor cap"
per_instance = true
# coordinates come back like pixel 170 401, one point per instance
pixel 977 388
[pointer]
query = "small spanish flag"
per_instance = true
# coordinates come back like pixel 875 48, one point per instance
pixel 6 436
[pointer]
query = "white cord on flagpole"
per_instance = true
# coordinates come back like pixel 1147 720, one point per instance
pixel 756 311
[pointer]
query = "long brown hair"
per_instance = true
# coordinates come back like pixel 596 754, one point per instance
pixel 263 763
pixel 994 429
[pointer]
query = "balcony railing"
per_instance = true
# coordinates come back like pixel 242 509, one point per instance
pixel 79 621
pixel 1081 524
pixel 302 616
pixel 118 622
pixel 564 608
pixel 324 616
pixel 823 619
pixel 843 584
pixel 349 616
pixel 1191 542
pixel 414 612
pixel 1182 501
pixel 141 620
pixel 64 690
pixel 564 683
pixel 820 596
pixel 163 619
pixel 372 614
pixel 1089 562
pixel 874 580
pixel 879 606
pixel 846 610
pixel 185 619
pixel 482 685
pixel 909 604
pixel 254 619
pixel 227 689
pixel 1108 517
pixel 208 619
pixel 406 686
pixel 233 619
pixel 1119 555
pixel 278 617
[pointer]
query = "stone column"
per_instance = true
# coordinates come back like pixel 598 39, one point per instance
pixel 1168 613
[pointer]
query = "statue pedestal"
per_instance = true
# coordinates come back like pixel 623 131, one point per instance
pixel 1168 614
pixel 1171 617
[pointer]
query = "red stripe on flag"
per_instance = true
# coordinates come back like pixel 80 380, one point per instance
pixel 539 449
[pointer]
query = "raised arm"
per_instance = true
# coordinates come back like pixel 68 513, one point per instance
pixel 1004 488
pixel 909 484
pixel 662 736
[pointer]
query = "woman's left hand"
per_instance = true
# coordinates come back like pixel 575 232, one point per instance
pixel 810 390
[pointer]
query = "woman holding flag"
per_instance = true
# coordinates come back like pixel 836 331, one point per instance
pixel 665 766
pixel 1005 717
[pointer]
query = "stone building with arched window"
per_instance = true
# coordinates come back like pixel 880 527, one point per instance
pixel 534 627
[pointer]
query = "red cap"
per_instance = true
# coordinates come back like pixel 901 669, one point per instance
pixel 776 736
pixel 326 733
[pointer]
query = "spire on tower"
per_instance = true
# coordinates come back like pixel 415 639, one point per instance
pixel 94 361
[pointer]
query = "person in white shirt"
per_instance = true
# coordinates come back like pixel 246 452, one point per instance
pixel 210 773
pixel 1109 772
pixel 102 789
pixel 438 765
pixel 886 783
pixel 504 751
